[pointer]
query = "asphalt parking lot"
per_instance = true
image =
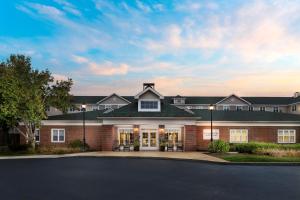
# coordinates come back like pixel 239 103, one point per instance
pixel 129 178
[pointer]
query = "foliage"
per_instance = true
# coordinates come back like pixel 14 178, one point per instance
pixel 218 146
pixel 253 147
pixel 26 92
pixel 257 158
pixel 136 145
pixel 279 152
pixel 77 144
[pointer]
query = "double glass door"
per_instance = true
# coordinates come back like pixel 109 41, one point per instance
pixel 149 139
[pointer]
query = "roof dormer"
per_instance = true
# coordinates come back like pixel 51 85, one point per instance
pixel 149 100
pixel 179 100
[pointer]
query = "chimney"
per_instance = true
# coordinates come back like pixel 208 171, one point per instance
pixel 296 94
pixel 146 85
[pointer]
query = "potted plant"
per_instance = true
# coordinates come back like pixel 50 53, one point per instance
pixel 162 146
pixel 121 147
pixel 136 145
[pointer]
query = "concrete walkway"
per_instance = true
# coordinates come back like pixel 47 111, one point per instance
pixel 140 154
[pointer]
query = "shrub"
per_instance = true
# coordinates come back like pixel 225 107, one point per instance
pixel 77 144
pixel 279 152
pixel 19 147
pixel 218 146
pixel 57 150
pixel 136 145
pixel 253 147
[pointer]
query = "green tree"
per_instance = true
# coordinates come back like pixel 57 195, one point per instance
pixel 27 92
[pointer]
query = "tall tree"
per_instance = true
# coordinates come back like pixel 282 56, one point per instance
pixel 31 92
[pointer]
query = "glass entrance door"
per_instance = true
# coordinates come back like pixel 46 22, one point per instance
pixel 149 139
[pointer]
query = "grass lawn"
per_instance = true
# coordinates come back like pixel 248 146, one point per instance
pixel 256 158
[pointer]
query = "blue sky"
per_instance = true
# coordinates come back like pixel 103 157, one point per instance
pixel 186 47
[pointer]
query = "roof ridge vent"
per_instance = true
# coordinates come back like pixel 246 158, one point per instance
pixel 146 85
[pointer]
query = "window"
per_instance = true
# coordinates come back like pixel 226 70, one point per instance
pixel 250 108
pixel 226 108
pixel 294 108
pixel 125 136
pixel 47 108
pixel 238 136
pixel 276 109
pixel 207 134
pixel 239 108
pixel 57 135
pixel 149 104
pixel 286 136
pixel 173 135
pixel 37 135
pixel 262 108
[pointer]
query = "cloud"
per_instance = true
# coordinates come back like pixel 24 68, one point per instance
pixel 59 77
pixel 103 69
pixel 143 6
pixel 189 6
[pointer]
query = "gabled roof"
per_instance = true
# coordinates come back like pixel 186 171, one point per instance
pixel 147 90
pixel 131 110
pixel 111 96
pixel 233 95
pixel 249 116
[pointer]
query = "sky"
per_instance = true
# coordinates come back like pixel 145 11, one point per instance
pixel 186 47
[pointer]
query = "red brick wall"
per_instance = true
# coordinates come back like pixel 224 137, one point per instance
pixel 257 134
pixel 190 138
pixel 107 138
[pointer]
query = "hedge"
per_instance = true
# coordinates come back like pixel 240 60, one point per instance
pixel 252 147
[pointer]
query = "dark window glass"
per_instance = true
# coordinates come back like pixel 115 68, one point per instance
pixel 149 104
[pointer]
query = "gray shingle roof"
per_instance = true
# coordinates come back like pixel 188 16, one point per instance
pixel 89 115
pixel 93 99
pixel 250 116
pixel 131 110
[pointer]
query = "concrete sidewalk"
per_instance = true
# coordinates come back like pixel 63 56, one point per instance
pixel 140 154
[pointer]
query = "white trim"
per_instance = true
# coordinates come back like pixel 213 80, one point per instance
pixel 140 109
pixel 149 130
pixel 283 132
pixel 39 133
pixel 69 123
pixel 247 102
pixel 58 129
pixel 146 90
pixel 254 123
pixel 99 102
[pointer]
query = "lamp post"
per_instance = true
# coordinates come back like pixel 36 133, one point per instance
pixel 83 108
pixel 211 107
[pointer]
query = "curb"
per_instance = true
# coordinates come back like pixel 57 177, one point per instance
pixel 153 158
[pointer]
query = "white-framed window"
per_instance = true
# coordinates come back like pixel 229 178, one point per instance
pixel 149 105
pixel 262 108
pixel 125 136
pixel 276 109
pixel 294 107
pixel 173 135
pixel 238 136
pixel 57 135
pixel 37 135
pixel 286 136
pixel 207 134
pixel 226 108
